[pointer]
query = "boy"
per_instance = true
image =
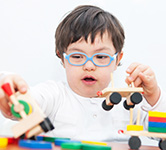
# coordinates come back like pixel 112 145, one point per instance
pixel 89 42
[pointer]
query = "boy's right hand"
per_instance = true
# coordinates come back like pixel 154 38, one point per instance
pixel 17 84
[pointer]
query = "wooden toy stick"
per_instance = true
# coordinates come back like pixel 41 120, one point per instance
pixel 132 84
pixel 108 100
pixel 138 117
pixel 128 100
pixel 112 80
pixel 131 116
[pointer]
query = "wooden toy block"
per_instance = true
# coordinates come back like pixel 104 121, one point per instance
pixel 35 144
pixel 156 129
pixel 3 142
pixel 95 147
pixel 71 146
pixel 157 114
pixel 94 143
pixel 135 128
pixel 52 139
pixel 26 124
pixel 157 124
pixel 59 142
pixel 32 121
pixel 12 140
pixel 40 138
pixel 157 119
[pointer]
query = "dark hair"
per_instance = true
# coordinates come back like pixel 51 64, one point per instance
pixel 88 20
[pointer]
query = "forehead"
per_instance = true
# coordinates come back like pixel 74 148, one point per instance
pixel 101 43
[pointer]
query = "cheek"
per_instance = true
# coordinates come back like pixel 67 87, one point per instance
pixel 71 72
pixel 105 74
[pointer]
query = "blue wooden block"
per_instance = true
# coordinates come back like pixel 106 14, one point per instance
pixel 58 142
pixel 157 124
pixel 39 138
pixel 35 144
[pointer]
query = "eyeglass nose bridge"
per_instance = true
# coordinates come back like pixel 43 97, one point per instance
pixel 89 59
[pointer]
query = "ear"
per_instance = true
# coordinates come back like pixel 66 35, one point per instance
pixel 62 61
pixel 118 59
pixel 58 53
pixel 120 55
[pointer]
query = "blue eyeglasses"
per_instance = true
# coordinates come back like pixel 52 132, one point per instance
pixel 98 59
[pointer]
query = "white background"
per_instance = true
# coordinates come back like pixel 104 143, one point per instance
pixel 27 29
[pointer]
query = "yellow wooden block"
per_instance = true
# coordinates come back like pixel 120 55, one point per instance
pixel 134 128
pixel 94 143
pixel 3 142
pixel 157 114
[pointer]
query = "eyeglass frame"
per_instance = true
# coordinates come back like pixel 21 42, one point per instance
pixel 112 58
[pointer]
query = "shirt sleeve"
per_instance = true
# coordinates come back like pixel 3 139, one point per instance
pixel 47 96
pixel 159 106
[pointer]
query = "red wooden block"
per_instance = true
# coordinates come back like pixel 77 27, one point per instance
pixel 157 119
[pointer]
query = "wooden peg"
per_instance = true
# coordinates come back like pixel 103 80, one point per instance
pixel 138 117
pixel 131 116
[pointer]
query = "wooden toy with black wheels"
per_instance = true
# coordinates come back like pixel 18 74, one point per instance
pixel 114 95
pixel 156 129
pixel 31 120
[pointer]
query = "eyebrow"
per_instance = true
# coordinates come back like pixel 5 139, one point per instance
pixel 97 50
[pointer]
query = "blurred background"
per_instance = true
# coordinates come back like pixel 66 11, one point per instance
pixel 27 29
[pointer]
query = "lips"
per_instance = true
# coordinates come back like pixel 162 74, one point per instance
pixel 89 80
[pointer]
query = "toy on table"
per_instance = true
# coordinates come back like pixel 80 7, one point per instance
pixel 32 121
pixel 3 142
pixel 156 129
pixel 114 95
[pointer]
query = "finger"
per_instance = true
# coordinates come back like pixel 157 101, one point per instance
pixel 6 109
pixel 145 78
pixel 2 94
pixel 132 67
pixel 16 84
pixel 134 75
pixel 8 116
pixel 4 103
pixel 20 85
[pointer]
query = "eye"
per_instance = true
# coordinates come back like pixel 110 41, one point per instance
pixel 76 56
pixel 101 56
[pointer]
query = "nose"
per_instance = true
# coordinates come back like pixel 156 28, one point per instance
pixel 89 66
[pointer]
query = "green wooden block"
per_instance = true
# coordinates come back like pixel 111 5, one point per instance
pixel 156 129
pixel 52 139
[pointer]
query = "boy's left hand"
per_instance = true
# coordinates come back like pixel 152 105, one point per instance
pixel 143 76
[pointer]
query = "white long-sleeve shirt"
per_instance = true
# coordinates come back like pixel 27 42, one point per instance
pixel 83 118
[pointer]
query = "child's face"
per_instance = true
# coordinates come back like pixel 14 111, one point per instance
pixel 86 80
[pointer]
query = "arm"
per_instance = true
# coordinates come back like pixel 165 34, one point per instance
pixel 143 76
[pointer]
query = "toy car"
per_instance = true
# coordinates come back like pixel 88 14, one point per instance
pixel 156 129
pixel 114 95
pixel 32 121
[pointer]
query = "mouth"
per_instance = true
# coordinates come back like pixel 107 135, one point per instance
pixel 89 80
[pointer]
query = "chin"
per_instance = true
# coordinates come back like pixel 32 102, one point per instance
pixel 90 94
